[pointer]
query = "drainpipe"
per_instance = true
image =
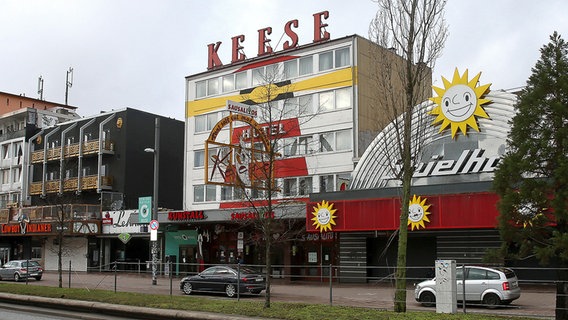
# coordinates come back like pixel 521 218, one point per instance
pixel 61 165
pixel 80 159
pixel 101 145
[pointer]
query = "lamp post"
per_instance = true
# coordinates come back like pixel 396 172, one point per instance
pixel 156 152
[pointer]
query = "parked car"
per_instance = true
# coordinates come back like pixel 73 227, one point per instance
pixel 489 286
pixel 21 269
pixel 224 279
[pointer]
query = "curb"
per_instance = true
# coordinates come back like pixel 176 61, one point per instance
pixel 116 309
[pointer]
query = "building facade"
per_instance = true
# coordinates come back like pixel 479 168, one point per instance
pixel 89 168
pixel 453 211
pixel 319 116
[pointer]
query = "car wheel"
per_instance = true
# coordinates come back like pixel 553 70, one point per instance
pixel 17 277
pixel 187 288
pixel 38 278
pixel 230 290
pixel 428 299
pixel 491 300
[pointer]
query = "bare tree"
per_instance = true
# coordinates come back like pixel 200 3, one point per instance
pixel 414 31
pixel 257 158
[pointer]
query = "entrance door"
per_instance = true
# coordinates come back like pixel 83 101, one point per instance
pixel 186 259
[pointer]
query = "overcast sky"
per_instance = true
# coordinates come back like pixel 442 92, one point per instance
pixel 136 53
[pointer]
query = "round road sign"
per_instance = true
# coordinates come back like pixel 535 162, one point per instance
pixel 154 225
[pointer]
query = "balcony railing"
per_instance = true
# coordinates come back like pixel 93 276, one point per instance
pixel 71 184
pixel 72 150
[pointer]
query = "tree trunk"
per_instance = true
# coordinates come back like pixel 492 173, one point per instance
pixel 268 236
pixel 60 260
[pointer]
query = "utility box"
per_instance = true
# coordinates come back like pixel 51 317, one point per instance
pixel 446 287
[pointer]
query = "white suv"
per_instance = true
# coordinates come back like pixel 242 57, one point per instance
pixel 489 286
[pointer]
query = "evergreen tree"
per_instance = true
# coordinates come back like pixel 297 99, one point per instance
pixel 533 175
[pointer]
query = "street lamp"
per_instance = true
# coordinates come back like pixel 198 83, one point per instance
pixel 156 152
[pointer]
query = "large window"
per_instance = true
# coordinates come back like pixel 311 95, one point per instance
pixel 335 141
pixel 205 122
pixel 326 61
pixel 204 193
pixel 342 57
pixel 335 99
pixel 306 65
pixel 299 146
pixel 297 107
pixel 297 186
pixel 290 69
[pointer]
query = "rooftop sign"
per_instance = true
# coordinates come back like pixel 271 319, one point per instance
pixel 264 47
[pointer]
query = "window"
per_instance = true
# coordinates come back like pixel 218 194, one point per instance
pixel 5 176
pixel 305 104
pixel 343 140
pixel 327 142
pixel 326 61
pixel 229 83
pixel 337 99
pixel 16 175
pixel 342 57
pixel 200 89
pixel 198 193
pixel 258 76
pixel 306 65
pixel 226 193
pixel 212 86
pixel 290 186
pixel 205 122
pixel 342 181
pixel 210 192
pixel 326 183
pixel 342 98
pixel 290 69
pixel 298 146
pixel 326 101
pixel 200 123
pixel 199 158
pixel 305 186
pixel 241 80
pixel 297 186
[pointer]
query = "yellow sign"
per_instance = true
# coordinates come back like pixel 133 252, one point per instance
pixel 417 213
pixel 459 103
pixel 323 216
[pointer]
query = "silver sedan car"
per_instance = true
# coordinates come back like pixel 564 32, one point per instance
pixel 488 286
pixel 21 269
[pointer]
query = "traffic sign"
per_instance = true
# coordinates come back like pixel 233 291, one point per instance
pixel 154 225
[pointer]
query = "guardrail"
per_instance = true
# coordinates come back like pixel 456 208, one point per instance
pixel 327 284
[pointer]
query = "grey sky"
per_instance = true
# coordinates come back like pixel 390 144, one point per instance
pixel 136 53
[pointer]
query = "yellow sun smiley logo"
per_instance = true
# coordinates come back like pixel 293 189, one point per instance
pixel 459 103
pixel 417 213
pixel 323 216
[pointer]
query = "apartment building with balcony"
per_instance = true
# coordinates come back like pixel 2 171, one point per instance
pixel 20 118
pixel 95 165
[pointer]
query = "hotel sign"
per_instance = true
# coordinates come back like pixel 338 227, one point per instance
pixel 264 46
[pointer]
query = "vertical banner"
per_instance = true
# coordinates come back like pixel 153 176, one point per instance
pixel 144 209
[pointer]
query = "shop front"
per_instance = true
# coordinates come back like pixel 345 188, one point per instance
pixel 35 233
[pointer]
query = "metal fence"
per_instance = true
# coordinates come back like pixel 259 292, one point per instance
pixel 371 287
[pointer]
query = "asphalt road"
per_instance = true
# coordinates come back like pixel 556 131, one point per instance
pixel 536 300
